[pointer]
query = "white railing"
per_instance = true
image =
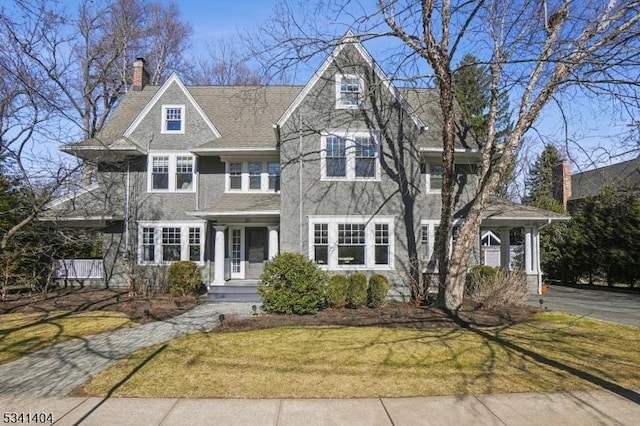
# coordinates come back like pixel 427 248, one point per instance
pixel 78 268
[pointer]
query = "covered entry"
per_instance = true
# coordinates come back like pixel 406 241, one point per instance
pixel 502 216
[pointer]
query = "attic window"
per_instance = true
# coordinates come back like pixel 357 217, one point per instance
pixel 173 119
pixel 348 91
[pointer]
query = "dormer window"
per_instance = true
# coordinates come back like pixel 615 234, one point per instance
pixel 348 91
pixel 173 119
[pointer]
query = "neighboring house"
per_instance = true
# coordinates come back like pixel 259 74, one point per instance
pixel 571 188
pixel 346 170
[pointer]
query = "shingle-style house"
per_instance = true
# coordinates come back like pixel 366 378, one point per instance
pixel 346 170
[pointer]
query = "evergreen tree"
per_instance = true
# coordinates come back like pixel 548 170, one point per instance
pixel 539 184
pixel 472 90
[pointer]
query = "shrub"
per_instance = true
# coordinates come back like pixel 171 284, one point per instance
pixel 378 289
pixel 292 284
pixel 337 291
pixel 184 278
pixel 357 290
pixel 499 289
pixel 477 274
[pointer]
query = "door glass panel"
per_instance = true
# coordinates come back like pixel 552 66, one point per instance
pixel 236 241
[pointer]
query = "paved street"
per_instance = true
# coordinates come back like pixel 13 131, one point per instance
pixel 623 308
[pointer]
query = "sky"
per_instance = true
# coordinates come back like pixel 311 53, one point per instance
pixel 594 129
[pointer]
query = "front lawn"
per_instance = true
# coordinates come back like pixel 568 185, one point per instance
pixel 23 333
pixel 552 352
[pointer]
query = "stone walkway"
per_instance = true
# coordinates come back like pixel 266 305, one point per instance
pixel 56 370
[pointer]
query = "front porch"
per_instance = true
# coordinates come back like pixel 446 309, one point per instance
pixel 243 234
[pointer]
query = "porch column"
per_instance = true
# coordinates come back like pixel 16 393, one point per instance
pixel 273 240
pixel 218 272
pixel 505 248
pixel 529 255
pixel 536 264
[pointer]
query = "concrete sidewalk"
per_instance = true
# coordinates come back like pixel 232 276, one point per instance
pixel 574 408
pixel 56 370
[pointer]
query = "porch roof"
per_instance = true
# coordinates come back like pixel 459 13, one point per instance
pixel 500 212
pixel 242 204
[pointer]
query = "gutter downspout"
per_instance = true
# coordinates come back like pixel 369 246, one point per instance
pixel 126 209
pixel 300 183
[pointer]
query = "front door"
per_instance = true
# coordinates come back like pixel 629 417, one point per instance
pixel 256 244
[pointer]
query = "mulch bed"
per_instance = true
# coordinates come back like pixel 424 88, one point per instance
pixel 394 314
pixel 163 306
pixel 139 309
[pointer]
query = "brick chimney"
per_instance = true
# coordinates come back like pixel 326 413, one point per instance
pixel 562 182
pixel 140 75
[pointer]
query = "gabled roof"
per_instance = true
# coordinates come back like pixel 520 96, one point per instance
pixel 173 79
pixel 591 182
pixel 349 39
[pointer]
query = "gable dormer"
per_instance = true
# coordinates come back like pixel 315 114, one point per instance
pixel 347 77
pixel 172 120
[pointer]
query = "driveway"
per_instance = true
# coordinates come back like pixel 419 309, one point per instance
pixel 623 308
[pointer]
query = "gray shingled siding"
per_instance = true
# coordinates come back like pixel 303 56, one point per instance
pixel 317 113
pixel 148 133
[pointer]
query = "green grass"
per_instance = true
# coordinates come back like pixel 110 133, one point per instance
pixel 22 333
pixel 553 352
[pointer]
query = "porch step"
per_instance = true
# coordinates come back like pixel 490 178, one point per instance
pixel 233 293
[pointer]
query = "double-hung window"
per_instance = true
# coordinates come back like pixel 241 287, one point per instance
pixel 351 244
pixel 273 169
pixel 164 242
pixel 348 91
pixel 148 244
pixel 172 119
pixel 160 173
pixel 344 243
pixel 350 156
pixel 184 172
pixel 430 240
pixel 434 173
pixel 336 157
pixel 235 175
pixel 171 173
pixel 255 179
pixel 321 243
pixel 171 247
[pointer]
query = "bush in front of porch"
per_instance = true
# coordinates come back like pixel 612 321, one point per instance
pixel 292 284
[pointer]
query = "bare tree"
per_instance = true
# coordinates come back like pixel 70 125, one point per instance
pixel 87 56
pixel 223 65
pixel 538 51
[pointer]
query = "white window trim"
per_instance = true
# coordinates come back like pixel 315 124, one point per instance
pixel 339 104
pixel 370 241
pixel 163 119
pixel 244 186
pixel 350 152
pixel 431 224
pixel 428 179
pixel 173 159
pixel 184 240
